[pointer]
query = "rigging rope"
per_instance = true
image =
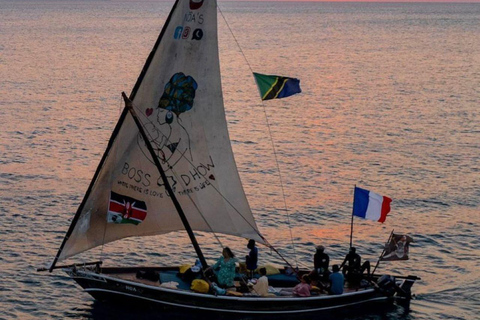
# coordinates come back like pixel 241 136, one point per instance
pixel 226 200
pixel 271 140
pixel 211 185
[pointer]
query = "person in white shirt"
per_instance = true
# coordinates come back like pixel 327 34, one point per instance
pixel 261 287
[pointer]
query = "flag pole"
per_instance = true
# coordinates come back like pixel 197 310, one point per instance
pixel 383 252
pixel 351 224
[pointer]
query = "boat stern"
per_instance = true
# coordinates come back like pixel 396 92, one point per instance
pixel 399 287
pixel 406 286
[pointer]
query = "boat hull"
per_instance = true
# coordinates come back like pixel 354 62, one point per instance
pixel 104 287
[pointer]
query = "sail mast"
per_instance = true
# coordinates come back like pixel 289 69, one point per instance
pixel 188 128
pixel 168 188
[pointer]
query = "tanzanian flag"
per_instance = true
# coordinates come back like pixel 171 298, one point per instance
pixel 276 87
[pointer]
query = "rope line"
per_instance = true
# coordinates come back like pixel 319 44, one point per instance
pixel 271 140
pixel 146 120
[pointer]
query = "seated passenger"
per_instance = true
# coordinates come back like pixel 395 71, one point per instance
pixel 337 281
pixel 303 288
pixel 300 290
pixel 224 268
pixel 352 267
pixel 261 287
pixel 321 261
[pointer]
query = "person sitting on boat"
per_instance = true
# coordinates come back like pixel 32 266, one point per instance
pixel 252 258
pixel 300 290
pixel 321 261
pixel 337 281
pixel 261 286
pixel 224 268
pixel 354 269
pixel 303 288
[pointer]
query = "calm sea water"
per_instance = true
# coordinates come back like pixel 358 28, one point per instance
pixel 390 103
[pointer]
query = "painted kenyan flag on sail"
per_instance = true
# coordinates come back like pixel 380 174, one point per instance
pixel 123 209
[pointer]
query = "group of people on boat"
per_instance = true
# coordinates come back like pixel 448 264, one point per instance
pixel 352 270
pixel 320 279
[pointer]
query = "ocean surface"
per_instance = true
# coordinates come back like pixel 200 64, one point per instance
pixel 390 103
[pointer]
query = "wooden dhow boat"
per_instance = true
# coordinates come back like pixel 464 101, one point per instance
pixel 169 166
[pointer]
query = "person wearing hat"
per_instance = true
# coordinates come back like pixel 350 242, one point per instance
pixel 321 261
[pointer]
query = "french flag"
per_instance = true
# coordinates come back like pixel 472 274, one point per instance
pixel 370 205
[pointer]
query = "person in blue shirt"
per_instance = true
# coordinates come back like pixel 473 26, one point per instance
pixel 336 281
pixel 251 259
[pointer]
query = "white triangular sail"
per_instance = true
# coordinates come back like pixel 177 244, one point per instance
pixel 179 101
